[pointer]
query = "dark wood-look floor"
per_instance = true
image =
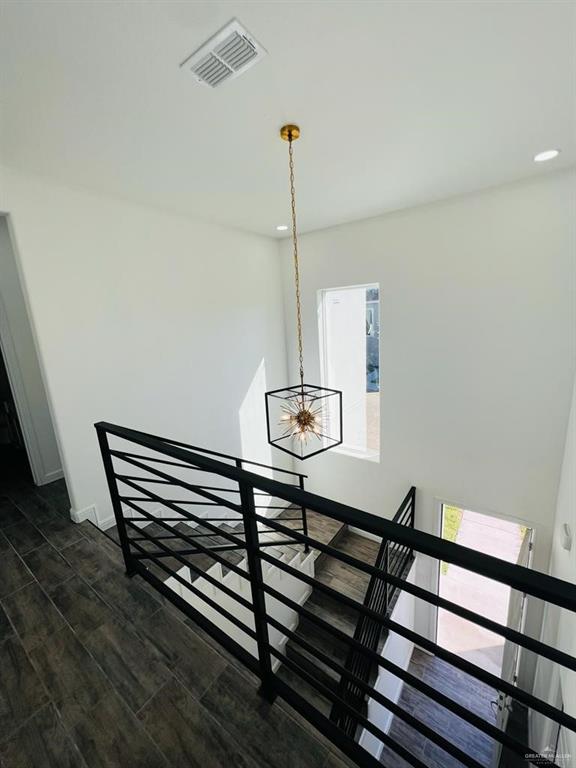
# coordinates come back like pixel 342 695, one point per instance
pixel 473 694
pixel 98 671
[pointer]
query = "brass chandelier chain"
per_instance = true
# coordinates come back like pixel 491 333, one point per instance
pixel 296 261
pixel 303 420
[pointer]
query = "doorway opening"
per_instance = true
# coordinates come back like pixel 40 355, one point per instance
pixel 13 457
pixel 28 445
pixel 504 539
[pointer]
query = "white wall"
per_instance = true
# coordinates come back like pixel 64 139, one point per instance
pixel 477 351
pixel 23 368
pixel 150 320
pixel 559 628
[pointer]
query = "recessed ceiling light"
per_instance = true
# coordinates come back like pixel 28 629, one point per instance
pixel 549 154
pixel 282 227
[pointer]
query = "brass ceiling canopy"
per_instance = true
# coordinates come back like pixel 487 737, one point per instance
pixel 290 132
pixel 305 419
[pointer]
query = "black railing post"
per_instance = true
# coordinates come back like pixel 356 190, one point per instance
pixel 412 513
pixel 304 517
pixel 387 571
pixel 115 497
pixel 257 587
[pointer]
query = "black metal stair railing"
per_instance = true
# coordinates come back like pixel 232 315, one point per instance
pixel 393 560
pixel 174 486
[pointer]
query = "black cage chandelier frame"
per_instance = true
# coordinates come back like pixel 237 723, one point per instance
pixel 302 420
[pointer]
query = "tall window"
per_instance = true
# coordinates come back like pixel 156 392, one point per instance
pixel 349 324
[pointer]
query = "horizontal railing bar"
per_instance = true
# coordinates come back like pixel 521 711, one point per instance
pixel 181 483
pixel 228 456
pixel 211 453
pixel 223 519
pixel 176 501
pixel 432 693
pixel 404 715
pixel 209 550
pixel 271 506
pixel 208 600
pixel 287 542
pixel 194 551
pixel 205 487
pixel 190 535
pixel 327 693
pixel 195 615
pixel 207 504
pixel 171 519
pixel 146 538
pixel 326 548
pixel 539 585
pixel 125 454
pixel 144 479
pixel 185 537
pixel 517 637
pixel 147 555
pixel 454 660
pixel 188 515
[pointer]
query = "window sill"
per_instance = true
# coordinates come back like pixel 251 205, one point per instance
pixel 357 453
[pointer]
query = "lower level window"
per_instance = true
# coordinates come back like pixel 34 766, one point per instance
pixel 350 353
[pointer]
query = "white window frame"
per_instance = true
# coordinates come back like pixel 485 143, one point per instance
pixel 368 454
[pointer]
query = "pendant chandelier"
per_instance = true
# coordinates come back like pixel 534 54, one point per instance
pixel 305 419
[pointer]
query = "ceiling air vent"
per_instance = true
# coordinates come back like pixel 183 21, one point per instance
pixel 226 55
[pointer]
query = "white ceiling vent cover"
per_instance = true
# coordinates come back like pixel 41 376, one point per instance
pixel 226 55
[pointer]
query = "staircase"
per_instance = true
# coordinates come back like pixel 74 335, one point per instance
pixel 210 577
pixel 352 583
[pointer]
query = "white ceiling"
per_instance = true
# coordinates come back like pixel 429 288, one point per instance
pixel 399 102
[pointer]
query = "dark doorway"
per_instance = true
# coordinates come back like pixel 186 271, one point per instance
pixel 14 464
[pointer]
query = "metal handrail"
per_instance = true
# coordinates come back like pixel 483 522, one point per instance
pixel 368 633
pixel 218 454
pixel 540 585
pixel 372 613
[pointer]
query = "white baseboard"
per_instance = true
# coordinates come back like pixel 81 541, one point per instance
pixel 50 477
pixel 106 523
pixel 88 513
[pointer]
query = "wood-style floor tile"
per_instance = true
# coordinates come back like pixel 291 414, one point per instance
pixel 48 566
pixel 184 653
pixel 13 573
pixel 82 608
pixel 9 513
pixel 72 677
pixel 41 742
pixel 24 536
pixel 188 735
pixel 133 669
pixel 110 736
pixel 266 731
pixel 33 615
pixel 89 561
pixel 36 510
pixel 61 532
pixel 6 629
pixel 4 545
pixel 126 597
pixel 21 690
